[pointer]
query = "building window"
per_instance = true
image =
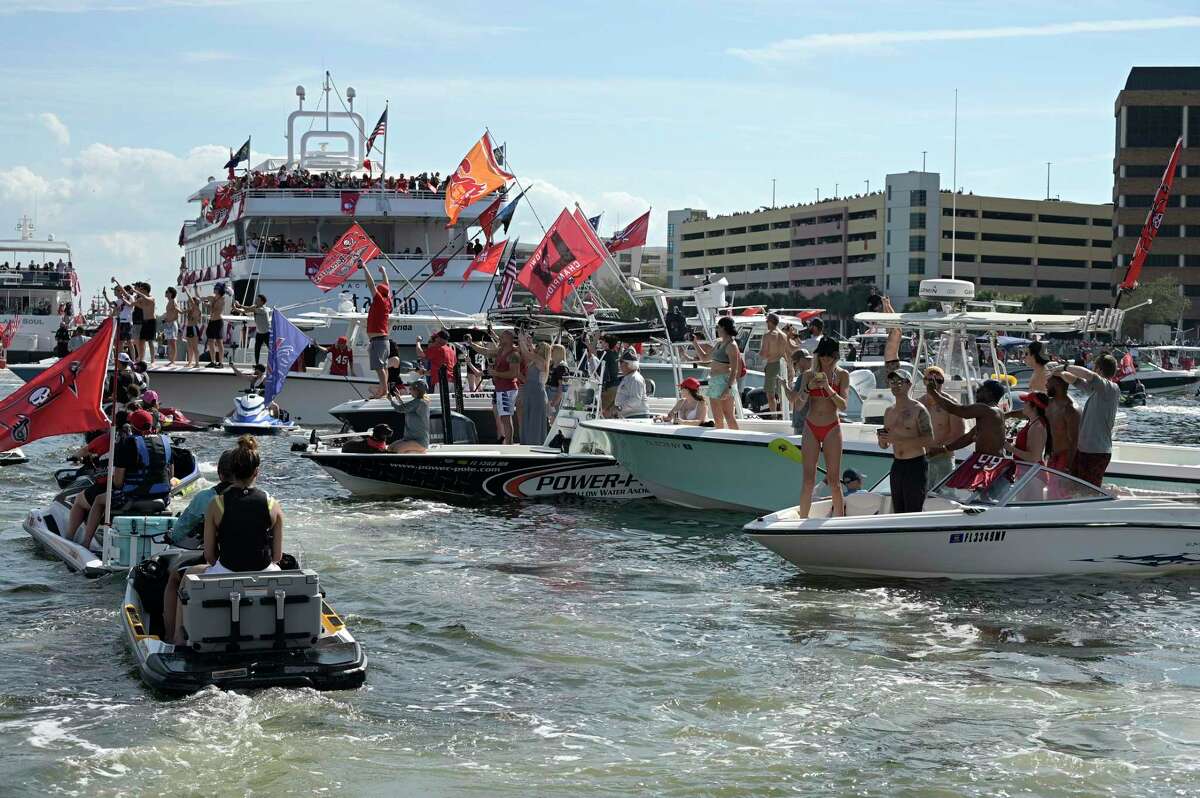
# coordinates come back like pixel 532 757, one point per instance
pixel 1162 261
pixel 1152 125
pixel 1096 242
pixel 1146 200
pixel 1063 242
pixel 916 243
pixel 1047 218
pixel 1010 281
pixel 916 197
pixel 1102 222
pixel 916 265
pixel 1193 135
pixel 1101 286
pixel 1063 262
pixel 916 220
pixel 889 215
pixel 692 236
pixel 1008 216
pixel 1060 284
pixel 1008 238
pixel 714 233
pixel 1102 264
pixel 889 237
pixel 758 228
pixel 961 235
pixel 914 287
pixel 1011 260
pixel 1141 170
pixel 958 257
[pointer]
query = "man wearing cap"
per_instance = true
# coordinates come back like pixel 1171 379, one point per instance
pixel 774 348
pixel 631 393
pixel 946 428
pixel 988 460
pixel 439 353
pixel 378 328
pixel 341 358
pixel 141 470
pixel 852 482
pixel 907 429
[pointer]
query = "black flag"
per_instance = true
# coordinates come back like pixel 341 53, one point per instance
pixel 243 154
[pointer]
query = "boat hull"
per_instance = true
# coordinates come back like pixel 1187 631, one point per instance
pixel 528 473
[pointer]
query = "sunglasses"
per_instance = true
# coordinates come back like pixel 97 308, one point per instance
pixel 937 380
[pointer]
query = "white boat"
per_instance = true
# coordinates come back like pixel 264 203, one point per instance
pixel 1037 522
pixel 239 247
pixel 707 469
pixel 36 290
pixel 13 457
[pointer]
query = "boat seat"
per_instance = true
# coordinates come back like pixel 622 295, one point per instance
pixel 254 611
pixel 865 503
pixel 143 507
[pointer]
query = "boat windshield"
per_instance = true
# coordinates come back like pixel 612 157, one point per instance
pixel 1023 484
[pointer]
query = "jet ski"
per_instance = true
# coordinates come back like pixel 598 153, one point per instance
pixel 251 415
pixel 137 529
pixel 13 457
pixel 244 631
pixel 172 419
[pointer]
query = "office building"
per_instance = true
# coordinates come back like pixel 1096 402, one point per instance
pixel 1156 107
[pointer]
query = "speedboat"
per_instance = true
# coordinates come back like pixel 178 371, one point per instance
pixel 137 530
pixel 251 415
pixel 1028 521
pixel 243 631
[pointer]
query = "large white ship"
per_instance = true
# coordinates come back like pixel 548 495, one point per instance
pixel 35 292
pixel 273 229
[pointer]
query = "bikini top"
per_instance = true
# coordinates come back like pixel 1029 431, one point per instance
pixel 836 386
pixel 719 353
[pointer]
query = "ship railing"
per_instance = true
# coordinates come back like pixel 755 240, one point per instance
pixel 406 256
pixel 336 193
pixel 11 278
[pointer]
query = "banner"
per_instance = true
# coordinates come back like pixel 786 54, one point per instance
pixel 355 248
pixel 633 235
pixel 487 219
pixel 350 202
pixel 287 345
pixel 486 261
pixel 63 398
pixel 477 175
pixel 561 262
pixel 1154 220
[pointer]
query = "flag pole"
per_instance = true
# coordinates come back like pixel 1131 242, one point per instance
pixel 112 426
pixel 383 168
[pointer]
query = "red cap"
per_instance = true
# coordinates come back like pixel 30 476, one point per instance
pixel 341 340
pixel 690 382
pixel 1033 399
pixel 141 421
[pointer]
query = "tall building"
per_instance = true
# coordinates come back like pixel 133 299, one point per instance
pixel 675 219
pixel 1156 107
pixel 910 231
pixel 646 263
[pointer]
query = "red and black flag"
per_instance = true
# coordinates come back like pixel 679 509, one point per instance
pixel 1154 220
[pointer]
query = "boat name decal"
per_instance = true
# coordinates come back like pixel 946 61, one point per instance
pixel 985 536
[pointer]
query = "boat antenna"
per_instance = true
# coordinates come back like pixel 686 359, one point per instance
pixel 954 194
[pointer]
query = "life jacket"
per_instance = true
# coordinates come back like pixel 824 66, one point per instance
pixel 152 476
pixel 379 446
pixel 244 538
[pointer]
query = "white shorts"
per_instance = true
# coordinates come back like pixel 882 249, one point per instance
pixel 218 568
pixel 505 402
pixel 170 330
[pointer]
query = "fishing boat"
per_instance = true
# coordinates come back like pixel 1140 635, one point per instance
pixel 39 289
pixel 1030 522
pixel 667 458
pixel 243 630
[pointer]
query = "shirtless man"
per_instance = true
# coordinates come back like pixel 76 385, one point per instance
pixel 215 332
pixel 1063 417
pixel 946 428
pixel 988 432
pixel 143 301
pixel 774 348
pixel 171 324
pixel 908 430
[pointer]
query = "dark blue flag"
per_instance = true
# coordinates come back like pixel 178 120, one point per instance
pixel 505 215
pixel 287 344
pixel 243 154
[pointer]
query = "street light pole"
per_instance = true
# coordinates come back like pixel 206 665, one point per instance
pixel 818 190
pixel 868 182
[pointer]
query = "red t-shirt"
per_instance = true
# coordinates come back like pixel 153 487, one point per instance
pixel 342 359
pixel 439 355
pixel 99 445
pixel 504 383
pixel 377 316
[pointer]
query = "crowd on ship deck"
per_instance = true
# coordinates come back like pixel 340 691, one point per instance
pixel 297 178
pixel 60 266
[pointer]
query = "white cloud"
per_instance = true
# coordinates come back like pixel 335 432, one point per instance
pixel 826 43
pixel 58 131
pixel 619 208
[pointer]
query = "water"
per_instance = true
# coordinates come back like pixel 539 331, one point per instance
pixel 561 649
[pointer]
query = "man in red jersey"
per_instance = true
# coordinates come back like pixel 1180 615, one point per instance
pixel 377 328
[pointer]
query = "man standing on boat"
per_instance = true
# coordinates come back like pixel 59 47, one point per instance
pixel 908 430
pixel 1063 417
pixel 988 459
pixel 774 349
pixel 505 371
pixel 946 428
pixel 816 331
pixel 1094 449
pixel 439 353
pixel 262 322
pixel 377 328
pixel 631 393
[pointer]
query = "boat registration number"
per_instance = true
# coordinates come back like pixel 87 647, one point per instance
pixel 983 536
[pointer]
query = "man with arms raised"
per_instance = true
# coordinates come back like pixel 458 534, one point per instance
pixel 378 327
pixel 774 349
pixel 1063 417
pixel 907 430
pixel 1094 448
pixel 946 428
pixel 988 460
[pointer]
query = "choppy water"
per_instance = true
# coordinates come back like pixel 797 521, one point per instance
pixel 576 650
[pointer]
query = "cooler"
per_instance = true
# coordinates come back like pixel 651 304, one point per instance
pixel 255 611
pixel 134 538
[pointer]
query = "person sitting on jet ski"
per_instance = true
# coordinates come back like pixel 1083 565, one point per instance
pixel 1138 395
pixel 243 528
pixel 258 383
pixel 141 470
pixel 189 527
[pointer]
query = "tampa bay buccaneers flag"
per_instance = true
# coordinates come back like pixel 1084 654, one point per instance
pixel 477 175
pixel 1154 220
pixel 355 248
pixel 633 234
pixel 561 263
pixel 487 260
pixel 63 398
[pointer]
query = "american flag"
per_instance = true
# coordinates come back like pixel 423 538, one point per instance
pixel 380 130
pixel 504 297
pixel 74 283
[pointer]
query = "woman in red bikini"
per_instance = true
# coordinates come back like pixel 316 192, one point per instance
pixel 1033 443
pixel 824 389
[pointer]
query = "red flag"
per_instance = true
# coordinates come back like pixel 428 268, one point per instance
pixel 589 232
pixel 487 219
pixel 355 248
pixel 634 234
pixel 486 261
pixel 1154 220
pixel 349 202
pixel 312 266
pixel 560 263
pixel 438 266
pixel 1127 367
pixel 63 398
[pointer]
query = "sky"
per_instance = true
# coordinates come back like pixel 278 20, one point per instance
pixel 119 109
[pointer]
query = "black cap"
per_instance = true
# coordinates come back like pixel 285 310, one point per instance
pixel 850 475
